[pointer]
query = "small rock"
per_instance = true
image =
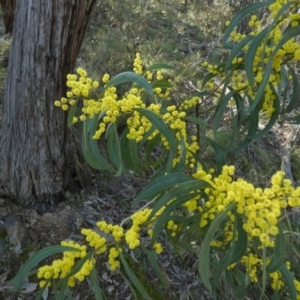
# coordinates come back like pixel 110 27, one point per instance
pixel 16 232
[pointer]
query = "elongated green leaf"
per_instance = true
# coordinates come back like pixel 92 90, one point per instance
pixel 35 259
pixel 95 285
pixel 150 147
pixel 161 84
pixel 237 50
pixel 207 78
pixel 135 154
pixel 134 279
pixel 252 128
pixel 289 282
pixel 42 290
pixel 87 153
pixel 182 159
pixel 279 254
pixel 161 161
pixel 241 243
pixel 251 53
pixel 243 280
pixel 92 125
pixel 159 173
pixel 241 16
pixel 130 77
pixel 160 184
pixel 179 190
pixel 148 133
pixel 64 293
pixel 129 152
pixel 272 120
pixel 204 255
pixel 264 272
pixel 194 233
pixel 130 286
pixel 68 294
pixel 234 132
pixel 108 130
pixel 289 34
pixel 170 161
pixel 72 114
pixel 159 124
pixel 155 265
pixel 220 111
pixel 125 149
pixel 90 159
pixel 296 92
pixel 236 250
pixel 220 158
pixel 114 150
pixel 241 291
pixel 159 66
pixel 275 20
pixel 165 216
pixel 283 87
pixel 64 281
pixel 225 261
pixel 197 121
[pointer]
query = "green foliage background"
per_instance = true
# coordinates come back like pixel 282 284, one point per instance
pixel 171 34
pixel 162 31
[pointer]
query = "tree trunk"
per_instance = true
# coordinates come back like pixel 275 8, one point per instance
pixel 8 8
pixel 47 37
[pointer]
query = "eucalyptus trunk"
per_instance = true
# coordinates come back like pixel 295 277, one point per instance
pixel 34 142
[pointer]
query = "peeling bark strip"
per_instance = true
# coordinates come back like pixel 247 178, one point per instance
pixel 47 37
pixel 8 8
pixel 287 151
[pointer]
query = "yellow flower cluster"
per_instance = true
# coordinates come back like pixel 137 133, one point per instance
pixel 157 246
pixel 253 265
pixel 95 240
pixel 140 218
pixel 290 51
pixel 111 106
pixel 132 236
pixel 260 208
pixel 116 230
pixel 60 268
pixel 138 125
pixel 190 103
pixel 79 87
pixel 112 257
pixel 174 228
pixel 277 280
pixel 138 64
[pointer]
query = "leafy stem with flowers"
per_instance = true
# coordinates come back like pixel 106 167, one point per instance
pixel 233 226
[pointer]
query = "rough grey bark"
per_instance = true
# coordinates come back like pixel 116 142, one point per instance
pixel 34 154
pixel 8 8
